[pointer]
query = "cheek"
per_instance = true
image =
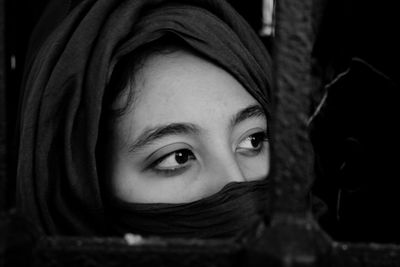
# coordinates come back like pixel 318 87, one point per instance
pixel 131 184
pixel 255 168
pixel 122 178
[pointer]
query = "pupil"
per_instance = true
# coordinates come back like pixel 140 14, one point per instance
pixel 255 140
pixel 181 157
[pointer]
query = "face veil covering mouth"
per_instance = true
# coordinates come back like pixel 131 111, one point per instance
pixel 70 62
pixel 230 213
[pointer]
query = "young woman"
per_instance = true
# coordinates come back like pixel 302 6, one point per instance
pixel 149 117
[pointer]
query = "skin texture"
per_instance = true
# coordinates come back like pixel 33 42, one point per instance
pixel 203 136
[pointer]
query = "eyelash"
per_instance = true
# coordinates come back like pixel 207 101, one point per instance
pixel 173 171
pixel 168 172
pixel 260 137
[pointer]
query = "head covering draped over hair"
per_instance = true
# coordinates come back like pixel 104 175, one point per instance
pixel 57 185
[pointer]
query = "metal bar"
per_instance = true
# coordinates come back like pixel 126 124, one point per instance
pixel 293 238
pixel 149 252
pixel 3 122
pixel 292 152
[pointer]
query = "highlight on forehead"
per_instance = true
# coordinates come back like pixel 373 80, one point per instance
pixel 122 89
pixel 124 86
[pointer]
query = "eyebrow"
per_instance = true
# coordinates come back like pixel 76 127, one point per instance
pixel 152 134
pixel 253 111
pixel 158 132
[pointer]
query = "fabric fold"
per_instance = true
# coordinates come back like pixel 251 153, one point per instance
pixel 234 210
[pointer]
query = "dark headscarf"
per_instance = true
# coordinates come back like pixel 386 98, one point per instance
pixel 58 186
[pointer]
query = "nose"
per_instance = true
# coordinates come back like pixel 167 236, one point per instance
pixel 226 169
pixel 221 168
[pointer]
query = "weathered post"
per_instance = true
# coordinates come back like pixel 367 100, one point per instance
pixel 292 155
pixel 293 238
pixel 3 129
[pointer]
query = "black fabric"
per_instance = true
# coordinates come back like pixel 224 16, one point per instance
pixel 58 185
pixel 232 212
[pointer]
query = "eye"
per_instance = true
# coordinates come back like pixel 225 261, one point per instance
pixel 175 160
pixel 252 143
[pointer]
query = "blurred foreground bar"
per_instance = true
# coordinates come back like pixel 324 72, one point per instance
pixel 292 155
pixel 3 122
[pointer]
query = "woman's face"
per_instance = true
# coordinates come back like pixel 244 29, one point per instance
pixel 191 130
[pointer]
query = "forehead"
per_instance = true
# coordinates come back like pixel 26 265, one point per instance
pixel 182 87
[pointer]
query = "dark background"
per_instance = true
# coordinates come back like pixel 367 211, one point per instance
pixel 357 139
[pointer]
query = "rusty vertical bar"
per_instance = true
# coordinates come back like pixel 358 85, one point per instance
pixel 3 124
pixel 292 238
pixel 292 162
